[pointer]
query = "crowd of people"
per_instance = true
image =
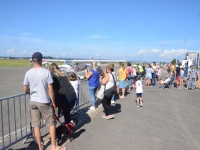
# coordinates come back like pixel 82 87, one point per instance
pixel 51 88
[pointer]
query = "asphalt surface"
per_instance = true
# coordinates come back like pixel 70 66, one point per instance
pixel 169 120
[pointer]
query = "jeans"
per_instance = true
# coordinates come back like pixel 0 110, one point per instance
pixel 65 104
pixel 113 98
pixel 130 82
pixel 153 80
pixel 92 94
pixel 172 79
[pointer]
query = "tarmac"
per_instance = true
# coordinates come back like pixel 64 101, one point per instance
pixel 169 120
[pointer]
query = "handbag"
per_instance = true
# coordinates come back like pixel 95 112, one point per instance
pixel 111 91
pixel 100 93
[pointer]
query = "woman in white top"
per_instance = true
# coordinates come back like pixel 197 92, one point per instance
pixel 74 82
pixel 108 81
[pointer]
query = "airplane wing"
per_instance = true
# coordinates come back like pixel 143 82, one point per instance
pixel 96 60
pixel 55 60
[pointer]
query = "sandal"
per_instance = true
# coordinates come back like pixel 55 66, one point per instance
pixel 109 117
pixel 104 116
pixel 62 148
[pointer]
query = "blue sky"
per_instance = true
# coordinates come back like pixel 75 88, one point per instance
pixel 113 29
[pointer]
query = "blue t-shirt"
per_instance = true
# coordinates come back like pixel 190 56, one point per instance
pixel 94 79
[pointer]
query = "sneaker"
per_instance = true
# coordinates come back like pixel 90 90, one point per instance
pixel 141 104
pixel 179 87
pixel 92 108
pixel 138 105
pixel 112 102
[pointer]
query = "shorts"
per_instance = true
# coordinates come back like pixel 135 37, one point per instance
pixel 182 77
pixel 178 78
pixel 44 110
pixel 148 76
pixel 139 95
pixel 122 84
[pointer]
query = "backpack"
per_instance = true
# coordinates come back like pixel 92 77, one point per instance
pixel 128 72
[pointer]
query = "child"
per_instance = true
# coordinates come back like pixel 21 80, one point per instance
pixel 167 80
pixel 139 91
pixel 158 73
pixel 74 82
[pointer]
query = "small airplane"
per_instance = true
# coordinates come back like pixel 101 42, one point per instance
pixel 45 62
pixel 78 66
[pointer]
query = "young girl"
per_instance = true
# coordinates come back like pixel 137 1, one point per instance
pixel 139 91
pixel 74 82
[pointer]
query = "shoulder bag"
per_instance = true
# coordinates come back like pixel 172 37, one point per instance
pixel 111 91
pixel 100 93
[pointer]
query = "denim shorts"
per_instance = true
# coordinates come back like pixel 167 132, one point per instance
pixel 122 84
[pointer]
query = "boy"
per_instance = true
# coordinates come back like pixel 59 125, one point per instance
pixel 139 91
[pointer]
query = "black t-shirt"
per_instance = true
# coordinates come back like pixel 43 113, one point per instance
pixel 63 87
pixel 178 71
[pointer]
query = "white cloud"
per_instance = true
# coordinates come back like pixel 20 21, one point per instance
pixel 63 54
pixel 155 50
pixel 142 52
pixel 172 53
pixel 97 36
pixel 10 51
pixel 23 52
pixel 98 54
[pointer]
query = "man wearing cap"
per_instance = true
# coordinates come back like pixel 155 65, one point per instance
pixel 38 83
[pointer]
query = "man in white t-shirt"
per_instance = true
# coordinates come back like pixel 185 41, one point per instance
pixel 38 83
pixel 139 91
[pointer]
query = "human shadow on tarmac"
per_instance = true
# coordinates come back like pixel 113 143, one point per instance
pixel 116 108
pixel 76 135
pixel 32 146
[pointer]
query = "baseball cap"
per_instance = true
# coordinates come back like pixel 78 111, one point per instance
pixel 37 55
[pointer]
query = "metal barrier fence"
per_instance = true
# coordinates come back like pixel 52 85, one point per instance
pixel 15 119
pixel 15 116
pixel 84 95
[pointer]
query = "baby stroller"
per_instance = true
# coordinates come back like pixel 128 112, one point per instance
pixel 167 82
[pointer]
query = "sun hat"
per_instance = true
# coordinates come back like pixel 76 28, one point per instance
pixel 37 55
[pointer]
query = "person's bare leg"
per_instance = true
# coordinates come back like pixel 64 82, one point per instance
pixel 38 137
pixel 118 90
pixel 52 130
pixel 123 92
pixel 138 101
